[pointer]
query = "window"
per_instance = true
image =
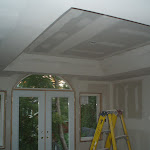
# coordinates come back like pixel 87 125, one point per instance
pixel 43 81
pixel 90 108
pixel 2 118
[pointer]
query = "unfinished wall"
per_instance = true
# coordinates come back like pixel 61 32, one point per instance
pixel 7 83
pixel 128 97
pixel 132 96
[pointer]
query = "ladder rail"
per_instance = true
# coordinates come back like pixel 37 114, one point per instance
pixel 97 132
pixel 112 132
pixel 125 131
pixel 109 138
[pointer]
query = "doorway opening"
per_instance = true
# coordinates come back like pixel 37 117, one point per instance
pixel 43 114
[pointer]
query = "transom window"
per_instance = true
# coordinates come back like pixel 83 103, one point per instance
pixel 43 81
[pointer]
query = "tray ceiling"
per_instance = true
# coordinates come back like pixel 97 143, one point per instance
pixel 87 35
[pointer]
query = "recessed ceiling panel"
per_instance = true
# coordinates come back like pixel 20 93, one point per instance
pixel 87 35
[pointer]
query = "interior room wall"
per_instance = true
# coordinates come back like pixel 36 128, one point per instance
pixel 7 84
pixel 4 85
pixel 132 96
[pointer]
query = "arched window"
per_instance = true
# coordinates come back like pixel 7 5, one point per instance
pixel 43 81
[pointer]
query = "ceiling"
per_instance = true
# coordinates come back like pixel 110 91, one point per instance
pixel 87 35
pixel 54 34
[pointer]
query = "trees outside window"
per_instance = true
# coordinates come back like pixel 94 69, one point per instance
pixel 89 109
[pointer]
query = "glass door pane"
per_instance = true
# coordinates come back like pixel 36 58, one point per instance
pixel 59 120
pixel 60 123
pixel 28 123
pixel 28 120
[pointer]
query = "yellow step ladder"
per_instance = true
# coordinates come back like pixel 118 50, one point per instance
pixel 111 139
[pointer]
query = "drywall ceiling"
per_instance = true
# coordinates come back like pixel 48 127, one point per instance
pixel 129 64
pixel 23 21
pixel 87 35
pixel 90 44
pixel 125 75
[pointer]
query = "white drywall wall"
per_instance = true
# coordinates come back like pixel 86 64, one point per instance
pixel 138 127
pixel 136 111
pixel 6 84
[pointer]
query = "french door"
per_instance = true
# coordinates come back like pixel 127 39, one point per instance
pixel 42 120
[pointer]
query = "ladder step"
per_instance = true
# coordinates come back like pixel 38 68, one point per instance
pixel 106 131
pixel 121 137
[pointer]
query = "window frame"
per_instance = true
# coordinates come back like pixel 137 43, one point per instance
pixel 98 110
pixel 3 101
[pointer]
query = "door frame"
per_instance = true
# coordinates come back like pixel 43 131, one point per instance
pixel 73 127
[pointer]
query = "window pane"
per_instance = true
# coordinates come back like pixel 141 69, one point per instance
pixel 28 123
pixel 43 81
pixel 88 116
pixel 60 123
